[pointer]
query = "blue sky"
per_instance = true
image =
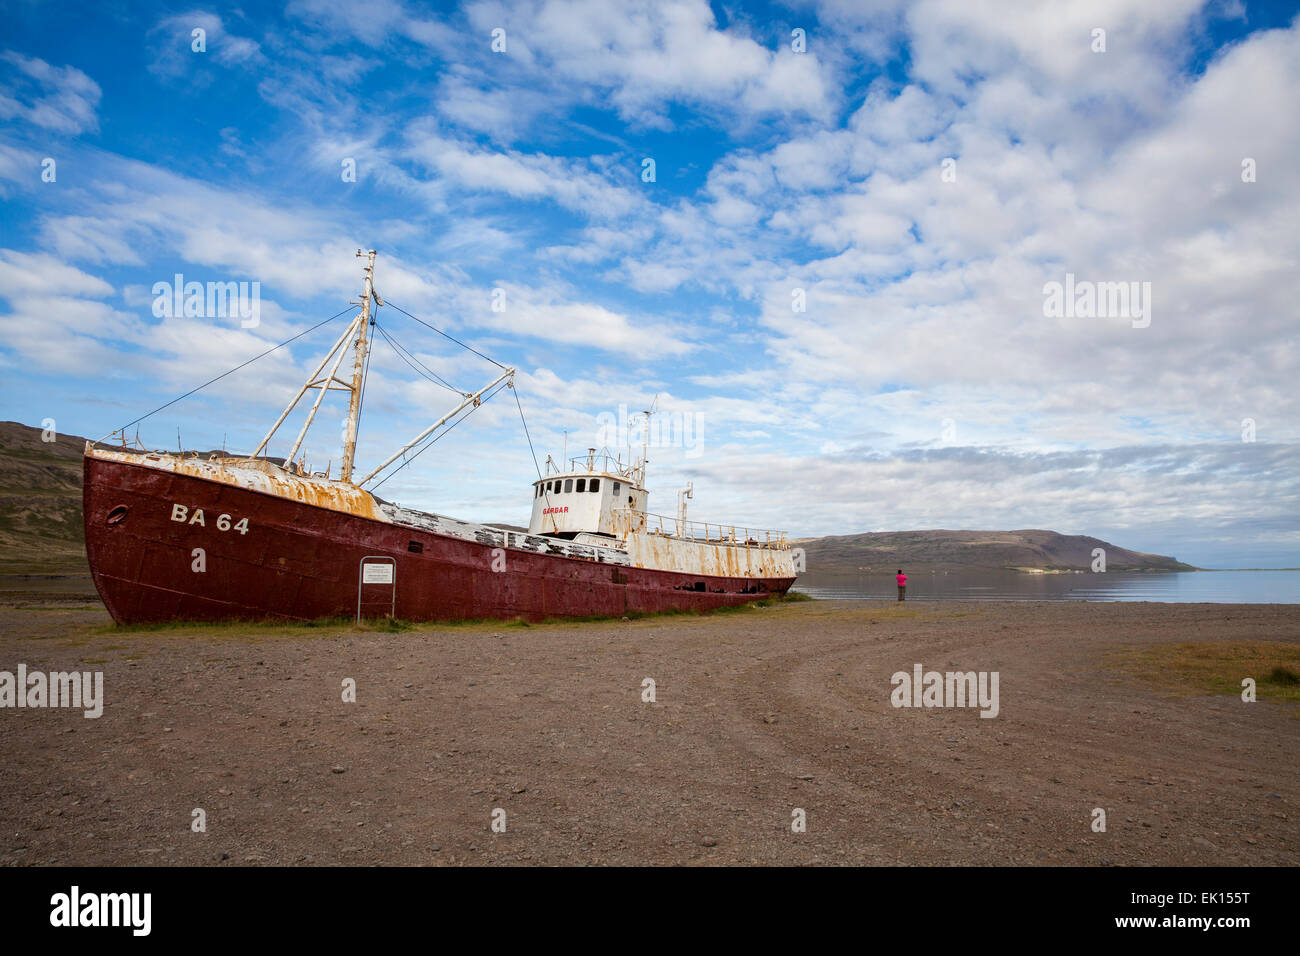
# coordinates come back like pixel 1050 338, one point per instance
pixel 916 175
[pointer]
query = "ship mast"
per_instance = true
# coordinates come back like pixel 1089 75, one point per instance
pixel 358 368
pixel 645 437
pixel 360 326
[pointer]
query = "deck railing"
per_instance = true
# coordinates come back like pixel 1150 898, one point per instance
pixel 601 461
pixel 704 532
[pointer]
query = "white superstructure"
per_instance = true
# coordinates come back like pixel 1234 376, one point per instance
pixel 601 502
pixel 584 499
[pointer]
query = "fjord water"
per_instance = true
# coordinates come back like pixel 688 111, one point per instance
pixel 1182 587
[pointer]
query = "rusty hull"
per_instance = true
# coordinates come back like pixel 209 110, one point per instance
pixel 305 537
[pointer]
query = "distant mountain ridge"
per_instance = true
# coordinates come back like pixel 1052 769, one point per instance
pixel 1028 550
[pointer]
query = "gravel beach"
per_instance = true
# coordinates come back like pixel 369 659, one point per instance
pixel 547 730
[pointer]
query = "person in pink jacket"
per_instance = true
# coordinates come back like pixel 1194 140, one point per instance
pixel 902 585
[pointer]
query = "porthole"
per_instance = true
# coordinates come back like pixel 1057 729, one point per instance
pixel 116 515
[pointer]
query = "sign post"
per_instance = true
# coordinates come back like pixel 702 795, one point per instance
pixel 378 569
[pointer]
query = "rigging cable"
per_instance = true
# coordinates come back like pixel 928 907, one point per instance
pixel 526 435
pixel 538 467
pixel 522 419
pixel 224 374
pixel 444 334
pixel 420 368
pixel 483 401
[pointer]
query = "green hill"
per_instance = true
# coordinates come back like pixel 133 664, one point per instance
pixel 40 502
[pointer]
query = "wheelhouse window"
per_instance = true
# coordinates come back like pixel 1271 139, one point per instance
pixel 595 485
pixel 582 485
pixel 568 485
pixel 617 487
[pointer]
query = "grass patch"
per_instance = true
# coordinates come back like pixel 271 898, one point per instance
pixel 794 597
pixel 1218 667
pixel 1283 677
pixel 259 629
pixel 226 627
pixel 387 625
pixel 55 607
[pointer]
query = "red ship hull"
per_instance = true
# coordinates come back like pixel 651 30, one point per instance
pixel 301 561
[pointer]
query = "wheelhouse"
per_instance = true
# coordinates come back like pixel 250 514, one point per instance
pixel 583 499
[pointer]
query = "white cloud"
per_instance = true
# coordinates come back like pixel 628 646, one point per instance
pixel 63 100
pixel 548 314
pixel 503 113
pixel 374 22
pixel 636 55
pixel 23 274
pixel 174 41
pixel 574 184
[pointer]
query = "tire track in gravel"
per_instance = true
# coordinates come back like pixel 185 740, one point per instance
pixel 833 722
pixel 548 723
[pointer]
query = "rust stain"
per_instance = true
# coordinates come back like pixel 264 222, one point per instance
pixel 257 475
pixel 667 553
